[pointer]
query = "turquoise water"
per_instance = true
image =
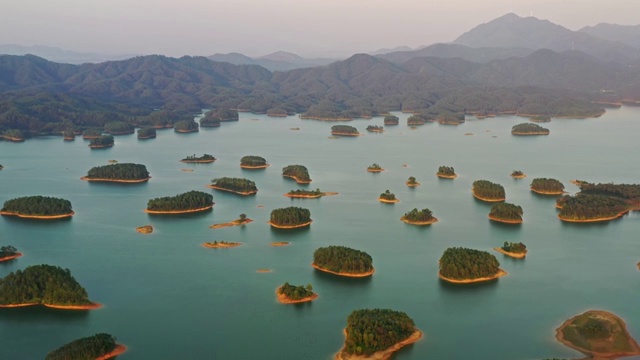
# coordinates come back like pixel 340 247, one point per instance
pixel 167 297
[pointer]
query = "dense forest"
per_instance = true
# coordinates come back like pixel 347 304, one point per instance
pixel 375 128
pixel 235 184
pixel 388 196
pixel 118 128
pixel 375 167
pixel 416 215
pixel 7 250
pixel 293 292
pixel 87 348
pixel 147 133
pixel 184 126
pixel 590 207
pixel 344 129
pixel 446 171
pixel 506 211
pixel 186 201
pixel 253 160
pixel 342 259
pixel 91 133
pixel 203 158
pixel 120 171
pixel 467 264
pixel 517 173
pixel 42 284
pixel 299 172
pixel 529 129
pixel 101 141
pixel 416 119
pixel 208 122
pixel 315 192
pixel 545 185
pixel 488 190
pixel 14 135
pixel 37 206
pixel 516 248
pixel 371 330
pixel 290 216
pixel 391 120
pixel 630 192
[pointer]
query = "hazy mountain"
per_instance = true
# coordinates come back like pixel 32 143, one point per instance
pixel 278 61
pixel 59 55
pixel 386 51
pixel 628 34
pixel 479 55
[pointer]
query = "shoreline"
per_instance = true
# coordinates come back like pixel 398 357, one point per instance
pixel 505 221
pixel 197 161
pixel 11 257
pixel 375 170
pixel 231 223
pixel 412 185
pixel 254 167
pixel 444 176
pixel 500 274
pixel 511 254
pixel 283 299
pixel 298 180
pixel 146 137
pixel 304 196
pixel 169 212
pixel 519 176
pixel 530 133
pixel 542 192
pixel 609 218
pixel 419 223
pixel 185 131
pixel 40 217
pixel 100 146
pixel 245 193
pixel 487 199
pixel 289 226
pixel 93 306
pixel 221 245
pixel 344 134
pixel 280 243
pixel 116 180
pixel 319 118
pixel 375 130
pixel 353 275
pixel 119 350
pixel 388 201
pixel 381 354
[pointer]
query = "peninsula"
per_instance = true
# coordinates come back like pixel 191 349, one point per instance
pixel 252 162
pixel 446 172
pixel 241 220
pixel 292 294
pixel 189 202
pixel 388 197
pixel 525 129
pixel 375 168
pixel 37 207
pixel 419 217
pixel 411 182
pixel 238 186
pixel 291 217
pixel 506 213
pixel 206 158
pixel 220 244
pixel 297 172
pixel 343 261
pixel 127 173
pixel 9 253
pixel 463 266
pixel 545 186
pixel 344 130
pixel 101 142
pixel 488 191
pixel 309 194
pixel 99 347
pixel 514 250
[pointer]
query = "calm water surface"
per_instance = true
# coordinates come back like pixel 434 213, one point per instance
pixel 166 297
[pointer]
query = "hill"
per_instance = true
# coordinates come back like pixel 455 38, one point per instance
pixel 627 34
pixel 448 51
pixel 277 61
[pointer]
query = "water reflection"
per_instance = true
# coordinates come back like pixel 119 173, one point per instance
pixel 39 314
pixel 452 288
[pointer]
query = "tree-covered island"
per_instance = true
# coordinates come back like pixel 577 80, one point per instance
pixel 101 142
pixel 120 173
pixel 47 285
pixel 297 172
pixel 291 217
pixel 221 244
pixel 9 252
pixel 186 126
pixel 375 128
pixel 545 186
pixel 37 207
pixel 344 130
pixel 462 266
pixel 488 191
pixel 375 168
pixel 309 194
pixel 253 162
pixel 376 334
pixel 118 128
pixel 512 249
pixel 529 129
pixel 415 120
pixel 591 208
pixel 343 261
pixel 99 346
pixel 506 213
pixel 206 158
pixel 419 217
pixel 391 120
pixel 147 133
pixel 238 186
pixel 388 197
pixel 517 174
pixel 411 182
pixel 189 202
pixel 292 294
pixel 446 172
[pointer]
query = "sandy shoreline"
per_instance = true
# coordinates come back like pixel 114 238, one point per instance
pixel 40 217
pixel 289 226
pixel 100 146
pixel 280 243
pixel 519 176
pixel 412 185
pixel 360 275
pixel 146 229
pixel 419 223
pixel 388 201
pixel 486 199
pixel 116 180
pixel 529 133
pixel 197 161
pixel 375 170
pixel 500 273
pixel 236 222
pixel 511 254
pixel 170 212
pixel 119 350
pixel 505 221
pixel 542 192
pixel 93 306
pixel 594 220
pixel 443 176
pixel 245 193
pixel 251 167
pixel 283 299
pixel 14 256
pixel 297 180
pixel 221 245
pixel 382 354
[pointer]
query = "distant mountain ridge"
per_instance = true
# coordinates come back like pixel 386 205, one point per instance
pixel 60 55
pixel 277 61
pixel 627 34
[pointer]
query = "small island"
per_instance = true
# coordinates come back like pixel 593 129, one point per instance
pixel 591 208
pixel 68 135
pixel 343 261
pixel 91 134
pixel 238 186
pixel 126 173
pixel 598 334
pixel 14 135
pixel 147 133
pixel 221 244
pixel 344 130
pixel 517 174
pixel 99 347
pixel 545 186
pixel 37 207
pixel 47 285
pixel 297 172
pixel 411 182
pixel 488 191
pixel 189 202
pixel 388 197
pixel 9 253
pixel 391 120
pixel 292 294
pixel 308 194
pixel 375 168
pixel 186 126
pixel 146 229
pixel 241 220
pixel 506 213
pixel 101 142
pixel 446 172
pixel 416 120
pixel 376 334
pixel 291 217
pixel 280 243
pixel 514 250
pixel 253 162
pixel 419 217
pixel 375 128
pixel 206 158
pixel 118 128
pixel 526 129
pixel 464 266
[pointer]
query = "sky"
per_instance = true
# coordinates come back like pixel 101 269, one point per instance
pixel 311 28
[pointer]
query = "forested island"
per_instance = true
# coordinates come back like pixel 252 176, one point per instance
pixel 189 202
pixel 221 244
pixel 388 197
pixel 375 168
pixel 375 128
pixel 391 120
pixel 529 129
pixel 627 192
pixel 343 261
pixel 344 130
pixel 488 191
pixel 517 174
pixel 411 182
pixel 238 186
pixel 47 285
pixel 9 252
pixel 101 142
pixel 206 158
pixel 514 250
pixel 37 207
pixel 89 134
pixel 253 162
pixel 598 334
pixel 446 172
pixel 100 346
pixel 241 220
pixel 118 128
pixel 415 120
pixel 547 186
pixel 419 217
pixel 297 172
pixel 147 133
pixel 309 194
pixel 291 217
pixel 120 172
pixel 186 126
pixel 376 334
pixel 462 266
pixel 591 208
pixel 506 213
pixel 292 294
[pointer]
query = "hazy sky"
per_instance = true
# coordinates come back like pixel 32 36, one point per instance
pixel 258 27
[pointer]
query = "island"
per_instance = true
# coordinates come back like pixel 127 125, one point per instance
pixel 241 220
pixel 375 168
pixel 91 134
pixel 37 207
pixel 343 261
pixel 146 229
pixel 68 135
pixel 506 213
pixel 376 334
pixel 446 172
pixel 238 186
pixel 375 128
pixel 630 193
pixel 118 128
pixel 127 173
pixel 14 135
pixel 419 217
pixel 101 142
pixel 525 129
pixel 411 182
pixel 388 197
pixel 488 191
pixel 591 208
pixel 100 346
pixel 185 126
pixel 280 243
pixel 189 202
pixel 514 250
pixel 206 158
pixel 221 244
pixel 292 294
pixel 291 217
pixel 225 114
pixel 344 130
pixel 147 133
pixel 460 265
pixel 451 119
pixel 517 174
pixel 47 285
pixel 391 120
pixel 9 253
pixel 297 172
pixel 309 194
pixel 598 334
pixel 545 186
pixel 252 162
pixel 415 120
